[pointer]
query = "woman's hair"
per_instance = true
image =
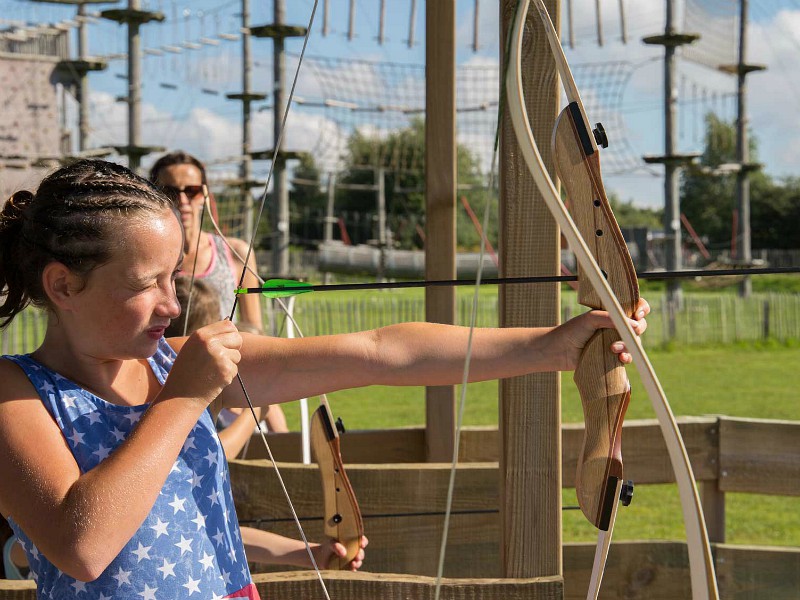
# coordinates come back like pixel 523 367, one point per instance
pixel 204 309
pixel 179 157
pixel 70 219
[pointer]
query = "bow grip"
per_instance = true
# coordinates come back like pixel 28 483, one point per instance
pixel 605 394
pixel 342 515
pixel 600 377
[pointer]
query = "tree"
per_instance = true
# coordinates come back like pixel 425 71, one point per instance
pixel 401 154
pixel 708 197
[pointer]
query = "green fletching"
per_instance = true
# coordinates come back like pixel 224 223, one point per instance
pixel 281 288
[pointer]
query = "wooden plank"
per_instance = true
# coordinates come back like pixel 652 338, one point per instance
pixel 440 206
pixel 760 456
pixel 17 590
pixel 403 509
pixel 644 452
pixel 652 570
pixel 406 445
pixel 643 448
pixel 757 572
pixel 369 586
pixel 659 570
pixel 713 500
pixel 530 409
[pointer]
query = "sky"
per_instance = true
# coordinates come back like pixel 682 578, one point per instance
pixel 184 104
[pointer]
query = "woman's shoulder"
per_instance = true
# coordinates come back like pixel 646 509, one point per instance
pixel 239 245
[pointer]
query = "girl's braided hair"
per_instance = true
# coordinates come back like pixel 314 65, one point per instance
pixel 70 219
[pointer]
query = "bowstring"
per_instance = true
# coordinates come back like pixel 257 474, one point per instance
pixel 241 283
pixel 490 188
pixel 194 264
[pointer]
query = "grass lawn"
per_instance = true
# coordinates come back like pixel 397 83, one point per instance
pixel 757 381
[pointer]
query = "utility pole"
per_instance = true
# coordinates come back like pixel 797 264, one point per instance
pixel 280 193
pixel 672 161
pixel 744 255
pixel 329 218
pixel 247 97
pixel 134 17
pixel 279 210
pixel 83 84
pixel 380 183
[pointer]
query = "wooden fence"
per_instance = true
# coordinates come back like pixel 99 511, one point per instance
pixel 403 500
pixel 703 319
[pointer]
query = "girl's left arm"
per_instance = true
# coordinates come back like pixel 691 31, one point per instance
pixel 409 354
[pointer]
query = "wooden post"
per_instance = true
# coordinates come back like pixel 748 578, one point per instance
pixel 440 199
pixel 530 407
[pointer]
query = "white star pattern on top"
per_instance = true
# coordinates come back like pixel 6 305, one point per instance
pixel 187 546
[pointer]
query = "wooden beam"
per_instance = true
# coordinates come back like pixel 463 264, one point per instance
pixel 440 205
pixel 760 456
pixel 530 407
pixel 646 458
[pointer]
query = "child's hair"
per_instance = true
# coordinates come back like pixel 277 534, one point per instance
pixel 179 157
pixel 205 306
pixel 70 219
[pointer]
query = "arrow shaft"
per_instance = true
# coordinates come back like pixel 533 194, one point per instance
pixel 644 275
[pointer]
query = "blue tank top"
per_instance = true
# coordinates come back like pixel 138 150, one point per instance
pixel 189 546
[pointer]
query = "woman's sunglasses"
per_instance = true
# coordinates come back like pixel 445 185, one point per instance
pixel 174 193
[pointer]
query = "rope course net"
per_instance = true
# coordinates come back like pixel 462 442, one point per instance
pixel 718 23
pixel 373 99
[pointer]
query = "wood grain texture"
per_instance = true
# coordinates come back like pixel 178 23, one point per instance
pixel 605 394
pixel 760 456
pixel 636 571
pixel 647 460
pixel 591 211
pixel 440 206
pixel 342 517
pixel 530 407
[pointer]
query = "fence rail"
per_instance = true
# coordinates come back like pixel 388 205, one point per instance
pixel 703 318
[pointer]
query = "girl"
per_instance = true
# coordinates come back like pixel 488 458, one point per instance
pixel 111 473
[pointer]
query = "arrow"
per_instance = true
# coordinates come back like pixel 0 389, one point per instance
pixel 282 288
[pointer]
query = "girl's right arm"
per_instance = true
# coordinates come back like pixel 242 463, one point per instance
pixel 81 521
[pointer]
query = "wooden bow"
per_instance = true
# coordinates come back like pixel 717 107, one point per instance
pixel 342 515
pixel 600 378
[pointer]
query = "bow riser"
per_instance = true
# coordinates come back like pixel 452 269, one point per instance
pixel 342 517
pixel 601 379
pixel 577 163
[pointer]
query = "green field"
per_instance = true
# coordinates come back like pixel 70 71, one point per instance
pixel 751 379
pixel 755 380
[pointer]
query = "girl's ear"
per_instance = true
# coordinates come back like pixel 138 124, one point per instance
pixel 61 285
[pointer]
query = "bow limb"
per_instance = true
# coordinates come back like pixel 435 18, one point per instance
pixel 703 579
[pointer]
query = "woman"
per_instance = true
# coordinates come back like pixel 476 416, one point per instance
pixel 182 177
pixel 111 473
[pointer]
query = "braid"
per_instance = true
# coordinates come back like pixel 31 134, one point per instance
pixel 70 219
pixel 11 281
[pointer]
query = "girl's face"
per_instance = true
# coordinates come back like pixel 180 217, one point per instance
pixel 183 183
pixel 130 300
